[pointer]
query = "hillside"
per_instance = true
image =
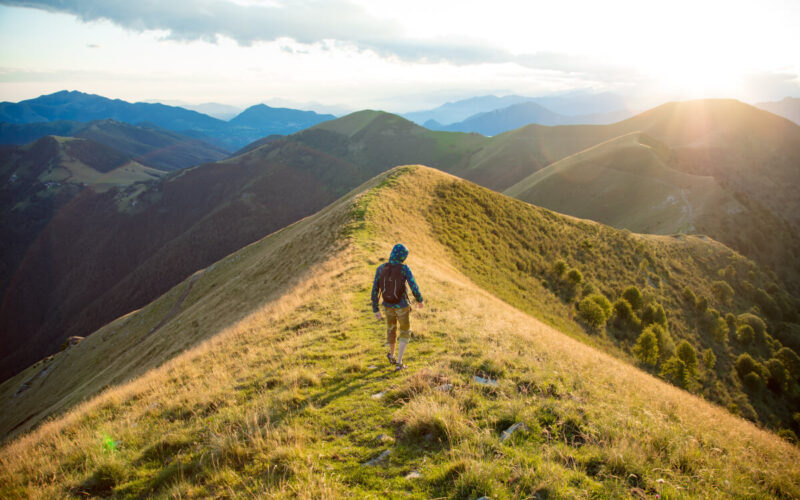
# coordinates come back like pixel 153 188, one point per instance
pixel 631 182
pixel 291 396
pixel 152 239
pixel 40 179
pixel 153 147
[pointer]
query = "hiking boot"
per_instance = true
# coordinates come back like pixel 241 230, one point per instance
pixel 391 358
pixel 400 367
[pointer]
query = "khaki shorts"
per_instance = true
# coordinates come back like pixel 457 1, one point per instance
pixel 397 315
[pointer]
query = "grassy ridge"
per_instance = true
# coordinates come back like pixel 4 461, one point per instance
pixel 285 402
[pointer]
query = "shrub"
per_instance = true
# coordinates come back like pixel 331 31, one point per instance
pixel 756 323
pixel 574 277
pixel 665 345
pixel 730 319
pixel 559 268
pixel 709 359
pixel 701 305
pixel 720 330
pixel 653 313
pixel 746 364
pixel 685 351
pixel 745 335
pixel 624 317
pixel 752 380
pixel 689 297
pixel 603 302
pixel 776 380
pixel 723 291
pixel 634 297
pixel 592 313
pixel 790 360
pixel 676 372
pixel 646 348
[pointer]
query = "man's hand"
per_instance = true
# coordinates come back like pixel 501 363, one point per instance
pixel 378 316
pixel 419 305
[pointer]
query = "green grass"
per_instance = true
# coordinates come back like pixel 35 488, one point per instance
pixel 281 403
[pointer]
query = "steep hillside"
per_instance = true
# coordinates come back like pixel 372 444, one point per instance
pixel 42 178
pixel 294 399
pixel 153 147
pixel 631 182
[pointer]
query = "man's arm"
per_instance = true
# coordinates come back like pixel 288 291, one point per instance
pixel 412 283
pixel 376 289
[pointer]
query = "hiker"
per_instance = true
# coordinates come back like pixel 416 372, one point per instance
pixel 390 282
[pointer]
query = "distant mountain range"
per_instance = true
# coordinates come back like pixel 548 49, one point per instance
pixel 788 107
pixel 571 104
pixel 258 121
pixel 518 115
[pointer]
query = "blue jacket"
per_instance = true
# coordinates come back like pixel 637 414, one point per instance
pixel 399 254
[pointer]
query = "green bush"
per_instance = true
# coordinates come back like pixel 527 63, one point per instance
pixel 701 305
pixel 756 323
pixel 653 313
pixel 709 359
pixel 665 345
pixel 559 268
pixel 624 317
pixel 776 380
pixel 603 302
pixel 646 348
pixel 790 360
pixel 745 335
pixel 723 291
pixel 591 312
pixel 574 277
pixel 685 351
pixel 689 297
pixel 676 372
pixel 752 380
pixel 634 297
pixel 746 364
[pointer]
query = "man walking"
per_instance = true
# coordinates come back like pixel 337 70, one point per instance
pixel 390 282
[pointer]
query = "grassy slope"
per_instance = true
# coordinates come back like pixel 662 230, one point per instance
pixel 281 403
pixel 629 182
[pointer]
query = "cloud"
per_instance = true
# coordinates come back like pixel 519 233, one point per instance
pixel 305 21
pixel 93 45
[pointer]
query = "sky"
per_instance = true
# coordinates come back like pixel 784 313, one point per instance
pixel 398 56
